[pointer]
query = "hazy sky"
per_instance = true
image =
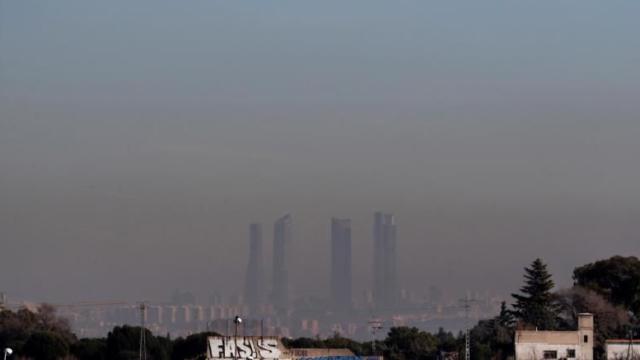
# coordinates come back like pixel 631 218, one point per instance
pixel 139 139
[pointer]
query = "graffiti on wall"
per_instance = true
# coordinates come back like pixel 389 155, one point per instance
pixel 222 347
pixel 269 348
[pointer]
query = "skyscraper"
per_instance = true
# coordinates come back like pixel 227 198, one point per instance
pixel 281 247
pixel 254 282
pixel 341 263
pixel 385 287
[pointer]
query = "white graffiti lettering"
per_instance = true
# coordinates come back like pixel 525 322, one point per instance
pixel 243 348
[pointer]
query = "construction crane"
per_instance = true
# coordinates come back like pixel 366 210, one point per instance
pixel 89 304
pixel 4 304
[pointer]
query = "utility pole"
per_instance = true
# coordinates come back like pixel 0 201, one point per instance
pixel 466 304
pixel 143 341
pixel 261 331
pixel 630 353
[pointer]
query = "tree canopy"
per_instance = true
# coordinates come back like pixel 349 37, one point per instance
pixel 409 343
pixel 616 278
pixel 28 332
pixel 534 305
pixel 46 345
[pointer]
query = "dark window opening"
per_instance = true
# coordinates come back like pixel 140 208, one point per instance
pixel 586 338
pixel 571 353
pixel 550 354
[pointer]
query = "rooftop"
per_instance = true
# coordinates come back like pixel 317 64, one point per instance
pixel 622 341
pixel 548 337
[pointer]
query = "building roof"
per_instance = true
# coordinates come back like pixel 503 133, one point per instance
pixel 320 352
pixel 547 337
pixel 622 341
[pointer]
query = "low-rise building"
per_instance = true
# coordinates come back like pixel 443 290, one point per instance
pixel 269 347
pixel 536 345
pixel 622 349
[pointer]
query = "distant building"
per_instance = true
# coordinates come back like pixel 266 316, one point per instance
pixel 435 295
pixel 341 264
pixel 536 345
pixel 622 349
pixel 385 286
pixel 254 282
pixel 281 247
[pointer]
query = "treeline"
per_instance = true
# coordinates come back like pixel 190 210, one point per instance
pixel 491 339
pixel 41 335
pixel 400 343
pixel 609 289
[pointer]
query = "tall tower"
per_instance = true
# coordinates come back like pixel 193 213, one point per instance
pixel 585 334
pixel 385 286
pixel 281 247
pixel 254 282
pixel 341 264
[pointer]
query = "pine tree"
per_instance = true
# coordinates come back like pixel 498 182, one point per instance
pixel 505 318
pixel 534 306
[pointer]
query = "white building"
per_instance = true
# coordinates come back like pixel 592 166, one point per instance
pixel 537 345
pixel 623 349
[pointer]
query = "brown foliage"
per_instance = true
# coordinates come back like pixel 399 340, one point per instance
pixel 610 320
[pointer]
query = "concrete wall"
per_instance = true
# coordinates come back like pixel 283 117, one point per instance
pixel 620 351
pixel 255 347
pixel 535 351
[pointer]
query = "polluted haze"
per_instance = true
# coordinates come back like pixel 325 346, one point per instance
pixel 138 140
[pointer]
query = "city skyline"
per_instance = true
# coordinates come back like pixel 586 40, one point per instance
pixel 340 268
pixel 254 281
pixel 360 180
pixel 282 242
pixel 385 286
pixel 137 141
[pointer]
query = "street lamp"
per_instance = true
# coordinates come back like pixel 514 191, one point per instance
pixel 7 351
pixel 237 321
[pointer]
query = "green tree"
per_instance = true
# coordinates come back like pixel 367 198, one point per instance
pixel 505 318
pixel 409 343
pixel 46 346
pixel 192 347
pixel 493 338
pixel 123 343
pixel 340 342
pixel 534 306
pixel 16 328
pixel 617 279
pixel 90 349
pixel 447 342
pixel 610 321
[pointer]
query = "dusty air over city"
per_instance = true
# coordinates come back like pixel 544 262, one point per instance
pixel 261 180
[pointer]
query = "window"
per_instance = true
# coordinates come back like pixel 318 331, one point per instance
pixel 571 353
pixel 586 338
pixel 550 354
